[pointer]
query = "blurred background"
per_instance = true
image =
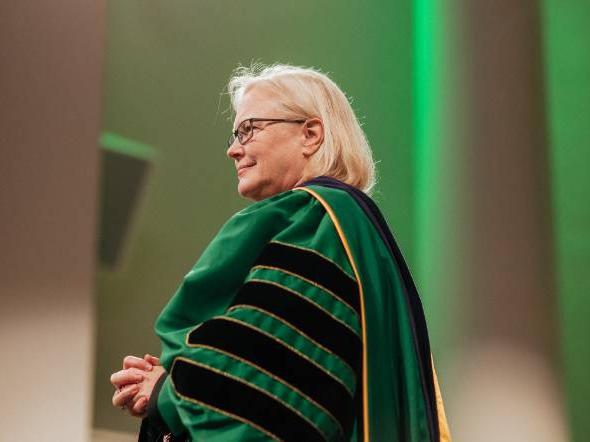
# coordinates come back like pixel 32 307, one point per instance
pixel 114 178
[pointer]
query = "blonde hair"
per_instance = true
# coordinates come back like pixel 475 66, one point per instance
pixel 345 153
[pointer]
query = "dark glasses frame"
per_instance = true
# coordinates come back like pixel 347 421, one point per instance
pixel 245 136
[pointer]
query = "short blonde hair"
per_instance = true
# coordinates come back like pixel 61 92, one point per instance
pixel 345 153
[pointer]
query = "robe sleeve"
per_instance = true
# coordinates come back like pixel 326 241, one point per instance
pixel 282 360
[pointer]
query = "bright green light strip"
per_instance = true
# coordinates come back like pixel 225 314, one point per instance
pixel 125 146
pixel 424 98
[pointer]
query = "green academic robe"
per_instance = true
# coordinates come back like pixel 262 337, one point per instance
pixel 299 322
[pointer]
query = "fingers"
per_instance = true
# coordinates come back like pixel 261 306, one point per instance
pixel 135 362
pixel 138 409
pixel 151 359
pixel 127 376
pixel 127 383
pixel 124 395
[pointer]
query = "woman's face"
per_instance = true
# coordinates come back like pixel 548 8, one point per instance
pixel 273 160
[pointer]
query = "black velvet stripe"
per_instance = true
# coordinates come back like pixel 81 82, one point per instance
pixel 304 316
pixel 314 267
pixel 417 317
pixel 239 399
pixel 265 352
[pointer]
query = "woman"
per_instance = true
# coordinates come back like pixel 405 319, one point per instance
pixel 300 321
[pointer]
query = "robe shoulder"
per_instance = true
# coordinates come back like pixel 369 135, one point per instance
pixel 262 340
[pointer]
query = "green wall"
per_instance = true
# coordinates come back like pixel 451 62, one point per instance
pixel 567 66
pixel 166 67
pixel 401 62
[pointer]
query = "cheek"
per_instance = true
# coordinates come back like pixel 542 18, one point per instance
pixel 274 168
pixel 276 160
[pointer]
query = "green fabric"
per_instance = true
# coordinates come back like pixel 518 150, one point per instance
pixel 341 311
pixel 396 400
pixel 396 404
pixel 208 289
pixel 303 345
pixel 257 378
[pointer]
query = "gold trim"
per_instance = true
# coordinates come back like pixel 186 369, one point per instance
pixel 188 344
pixel 301 295
pixel 295 246
pixel 242 381
pixel 309 281
pixel 293 349
pixel 443 426
pixel 279 380
pixel 362 302
pixel 288 324
pixel 218 410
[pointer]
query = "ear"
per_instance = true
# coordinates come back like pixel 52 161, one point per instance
pixel 313 136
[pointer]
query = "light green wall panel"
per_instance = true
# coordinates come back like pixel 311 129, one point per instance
pixel 567 65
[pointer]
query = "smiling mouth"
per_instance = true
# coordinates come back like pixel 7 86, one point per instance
pixel 242 169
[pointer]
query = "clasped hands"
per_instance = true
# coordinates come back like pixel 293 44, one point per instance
pixel 135 382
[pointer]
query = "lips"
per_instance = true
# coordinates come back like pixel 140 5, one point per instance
pixel 243 168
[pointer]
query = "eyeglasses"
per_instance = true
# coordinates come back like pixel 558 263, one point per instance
pixel 245 130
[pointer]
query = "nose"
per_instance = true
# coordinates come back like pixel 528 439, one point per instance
pixel 235 151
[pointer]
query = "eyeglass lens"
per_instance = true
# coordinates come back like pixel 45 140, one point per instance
pixel 244 132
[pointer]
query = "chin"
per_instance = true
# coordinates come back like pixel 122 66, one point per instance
pixel 248 189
